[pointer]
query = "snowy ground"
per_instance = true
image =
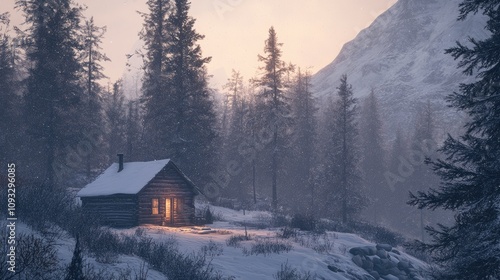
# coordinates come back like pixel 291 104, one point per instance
pixel 233 261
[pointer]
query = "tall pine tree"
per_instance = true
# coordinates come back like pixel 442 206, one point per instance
pixel 53 99
pixel 10 126
pixel 373 159
pixel 92 57
pixel 470 171
pixel 342 162
pixel 277 108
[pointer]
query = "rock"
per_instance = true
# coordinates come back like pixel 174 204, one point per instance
pixel 357 260
pixel 395 252
pixel 334 269
pixel 387 264
pixel 367 264
pixel 390 277
pixel 404 266
pixel 382 254
pixel 386 247
pixel 365 251
pixel 375 275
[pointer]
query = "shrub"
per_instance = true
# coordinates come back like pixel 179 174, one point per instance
pixel 288 273
pixel 303 222
pixel 267 247
pixel 234 240
pixel 209 218
pixel 286 233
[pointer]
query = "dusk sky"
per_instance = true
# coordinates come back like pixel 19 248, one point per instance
pixel 313 32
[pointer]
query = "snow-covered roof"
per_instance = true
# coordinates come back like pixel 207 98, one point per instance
pixel 133 177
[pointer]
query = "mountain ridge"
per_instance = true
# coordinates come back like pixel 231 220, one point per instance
pixel 401 55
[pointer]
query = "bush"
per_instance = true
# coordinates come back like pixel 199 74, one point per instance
pixel 286 233
pixel 303 222
pixel 209 218
pixel 36 258
pixel 234 240
pixel 279 220
pixel 267 247
pixel 288 273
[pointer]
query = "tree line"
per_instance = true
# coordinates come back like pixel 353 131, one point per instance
pixel 268 142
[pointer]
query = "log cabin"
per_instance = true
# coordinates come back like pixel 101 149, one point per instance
pixel 136 193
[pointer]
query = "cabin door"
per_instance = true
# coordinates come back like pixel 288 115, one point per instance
pixel 170 209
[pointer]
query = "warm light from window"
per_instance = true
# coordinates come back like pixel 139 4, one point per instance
pixel 155 206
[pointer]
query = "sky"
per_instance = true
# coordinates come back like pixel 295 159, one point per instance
pixel 312 32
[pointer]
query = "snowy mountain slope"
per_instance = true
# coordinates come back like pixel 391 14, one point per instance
pixel 401 56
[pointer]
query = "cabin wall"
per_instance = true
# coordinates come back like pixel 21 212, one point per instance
pixel 168 183
pixel 115 210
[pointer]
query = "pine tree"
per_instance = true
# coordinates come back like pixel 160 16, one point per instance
pixel 75 269
pixel 10 126
pixel 133 132
pixel 180 116
pixel 470 171
pixel 195 121
pixel 116 119
pixel 272 83
pixel 157 99
pixel 236 133
pixel 373 161
pixel 343 155
pixel 53 99
pixel 92 57
pixel 423 145
pixel 302 148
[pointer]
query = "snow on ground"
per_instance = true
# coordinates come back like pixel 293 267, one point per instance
pixel 65 246
pixel 233 262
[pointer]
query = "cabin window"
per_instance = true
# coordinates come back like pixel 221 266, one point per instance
pixel 154 206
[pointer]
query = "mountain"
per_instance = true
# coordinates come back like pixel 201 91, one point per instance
pixel 401 55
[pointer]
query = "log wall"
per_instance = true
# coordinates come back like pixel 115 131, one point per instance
pixel 168 183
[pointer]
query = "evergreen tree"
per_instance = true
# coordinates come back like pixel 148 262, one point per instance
pixel 343 155
pixel 273 86
pixel 156 98
pixel 116 119
pixel 92 57
pixel 302 148
pixel 422 178
pixel 75 269
pixel 8 95
pixel 470 171
pixel 53 99
pixel 373 161
pixel 193 145
pixel 133 131
pixel 180 117
pixel 236 133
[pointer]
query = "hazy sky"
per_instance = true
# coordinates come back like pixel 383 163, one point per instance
pixel 312 31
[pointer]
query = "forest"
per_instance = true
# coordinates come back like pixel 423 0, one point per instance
pixel 262 143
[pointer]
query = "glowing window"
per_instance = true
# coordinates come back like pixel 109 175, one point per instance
pixel 155 206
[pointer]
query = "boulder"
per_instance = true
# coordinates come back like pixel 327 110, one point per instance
pixel 382 254
pixel 404 266
pixel 390 277
pixel 357 260
pixel 375 275
pixel 395 252
pixel 367 264
pixel 386 247
pixel 334 269
pixel 365 250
